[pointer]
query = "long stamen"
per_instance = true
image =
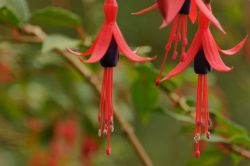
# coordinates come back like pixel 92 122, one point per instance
pixel 105 115
pixel 184 37
pixel 109 111
pixel 198 116
pixel 112 106
pixel 206 112
pixel 178 32
pixel 177 39
pixel 199 100
pixel 107 104
pixel 171 38
pixel 102 104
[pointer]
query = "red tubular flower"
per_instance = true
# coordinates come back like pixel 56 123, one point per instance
pixel 90 147
pixel 105 50
pixel 64 138
pixel 37 159
pixel 205 53
pixel 177 12
pixel 5 74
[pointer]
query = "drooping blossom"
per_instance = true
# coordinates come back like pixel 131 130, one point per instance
pixel 177 12
pixel 37 159
pixel 204 51
pixel 6 75
pixel 89 148
pixel 64 138
pixel 34 124
pixel 106 48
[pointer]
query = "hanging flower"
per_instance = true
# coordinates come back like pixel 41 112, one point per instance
pixel 64 139
pixel 177 12
pixel 90 147
pixel 106 48
pixel 37 159
pixel 6 75
pixel 205 53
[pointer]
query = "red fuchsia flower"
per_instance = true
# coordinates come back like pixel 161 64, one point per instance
pixel 34 124
pixel 64 137
pixel 89 148
pixel 105 50
pixel 70 131
pixel 5 74
pixel 177 12
pixel 37 159
pixel 205 53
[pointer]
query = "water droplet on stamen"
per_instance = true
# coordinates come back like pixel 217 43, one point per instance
pixel 197 138
pixel 112 129
pixel 99 132
pixel 105 132
pixel 210 123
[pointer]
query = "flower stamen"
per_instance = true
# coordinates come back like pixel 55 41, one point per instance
pixel 178 33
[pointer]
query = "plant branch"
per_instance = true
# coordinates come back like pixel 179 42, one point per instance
pixel 94 82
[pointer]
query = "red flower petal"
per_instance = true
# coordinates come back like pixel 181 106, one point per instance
pixel 193 12
pixel 89 51
pixel 169 9
pixel 212 53
pixel 163 24
pixel 194 47
pixel 235 49
pixel 102 44
pixel 124 48
pixel 154 6
pixel 208 13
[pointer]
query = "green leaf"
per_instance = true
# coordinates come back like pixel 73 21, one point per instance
pixel 55 16
pixel 242 139
pixel 58 42
pixel 8 17
pixel 148 69
pixel 14 12
pixel 236 158
pixel 231 127
pixel 145 96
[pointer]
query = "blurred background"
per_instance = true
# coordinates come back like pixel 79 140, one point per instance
pixel 48 112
